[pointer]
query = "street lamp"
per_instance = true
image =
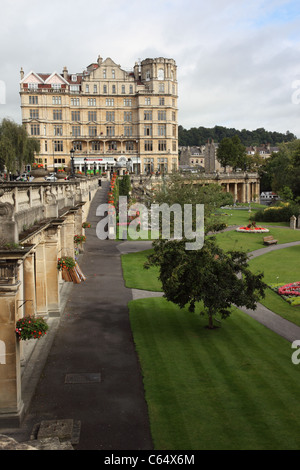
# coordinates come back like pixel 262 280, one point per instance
pixel 94 168
pixel 85 166
pixel 72 163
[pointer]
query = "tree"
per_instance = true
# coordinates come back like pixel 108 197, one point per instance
pixel 231 152
pixel 283 168
pixel 16 147
pixel 179 190
pixel 210 275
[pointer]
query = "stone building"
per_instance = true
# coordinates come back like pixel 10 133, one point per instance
pixel 110 116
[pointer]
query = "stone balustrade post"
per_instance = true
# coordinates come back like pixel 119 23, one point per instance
pixel 29 285
pixel 41 279
pixel 51 271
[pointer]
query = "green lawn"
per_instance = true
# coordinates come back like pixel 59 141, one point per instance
pixel 233 240
pixel 242 216
pixel 136 277
pixel 230 388
pixel 279 267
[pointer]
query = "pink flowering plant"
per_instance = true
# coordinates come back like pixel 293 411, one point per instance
pixel 31 327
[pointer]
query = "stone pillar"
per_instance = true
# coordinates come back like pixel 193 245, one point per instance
pixel 51 271
pixel 235 192
pixel 11 405
pixel 29 285
pixel 8 225
pixel 69 226
pixel 293 222
pixel 41 280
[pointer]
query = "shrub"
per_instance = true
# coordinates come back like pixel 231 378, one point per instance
pixel 278 213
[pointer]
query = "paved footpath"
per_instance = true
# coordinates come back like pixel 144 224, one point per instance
pixel 94 342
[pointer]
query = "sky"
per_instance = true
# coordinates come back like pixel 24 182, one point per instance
pixel 238 61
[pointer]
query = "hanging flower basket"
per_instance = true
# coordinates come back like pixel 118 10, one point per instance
pixel 86 225
pixel 79 239
pixel 31 327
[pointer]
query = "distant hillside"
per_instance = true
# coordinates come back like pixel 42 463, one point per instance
pixel 199 136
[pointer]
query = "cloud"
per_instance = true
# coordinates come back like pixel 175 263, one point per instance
pixel 237 60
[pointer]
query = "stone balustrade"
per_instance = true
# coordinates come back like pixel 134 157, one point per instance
pixel 24 204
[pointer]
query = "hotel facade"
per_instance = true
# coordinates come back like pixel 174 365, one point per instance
pixel 111 117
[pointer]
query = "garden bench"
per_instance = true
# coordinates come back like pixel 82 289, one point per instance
pixel 270 240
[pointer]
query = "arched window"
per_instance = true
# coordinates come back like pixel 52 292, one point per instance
pixel 161 74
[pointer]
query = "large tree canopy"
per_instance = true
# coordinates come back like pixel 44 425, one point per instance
pixel 199 136
pixel 209 275
pixel 231 152
pixel 16 147
pixel 184 190
pixel 282 169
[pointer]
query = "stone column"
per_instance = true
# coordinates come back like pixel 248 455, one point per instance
pixel 29 285
pixel 11 405
pixel 293 222
pixel 41 280
pixel 69 226
pixel 235 192
pixel 52 292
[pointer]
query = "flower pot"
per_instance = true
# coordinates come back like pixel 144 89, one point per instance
pixel 61 175
pixel 39 172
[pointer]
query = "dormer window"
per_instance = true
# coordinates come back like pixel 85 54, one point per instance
pixel 113 73
pixel 56 86
pixel 74 78
pixel 148 75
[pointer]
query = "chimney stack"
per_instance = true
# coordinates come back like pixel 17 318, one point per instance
pixel 65 72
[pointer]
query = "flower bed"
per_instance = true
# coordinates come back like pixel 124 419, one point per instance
pixel 290 289
pixel 252 229
pixel 288 292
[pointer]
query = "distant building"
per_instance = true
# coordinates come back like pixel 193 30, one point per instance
pixel 111 117
pixel 264 150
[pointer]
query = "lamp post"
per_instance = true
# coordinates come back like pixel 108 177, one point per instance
pixel 72 163
pixel 94 168
pixel 85 166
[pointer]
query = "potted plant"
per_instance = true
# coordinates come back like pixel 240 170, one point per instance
pixel 70 270
pixel 38 169
pixel 61 173
pixel 31 327
pixel 86 225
